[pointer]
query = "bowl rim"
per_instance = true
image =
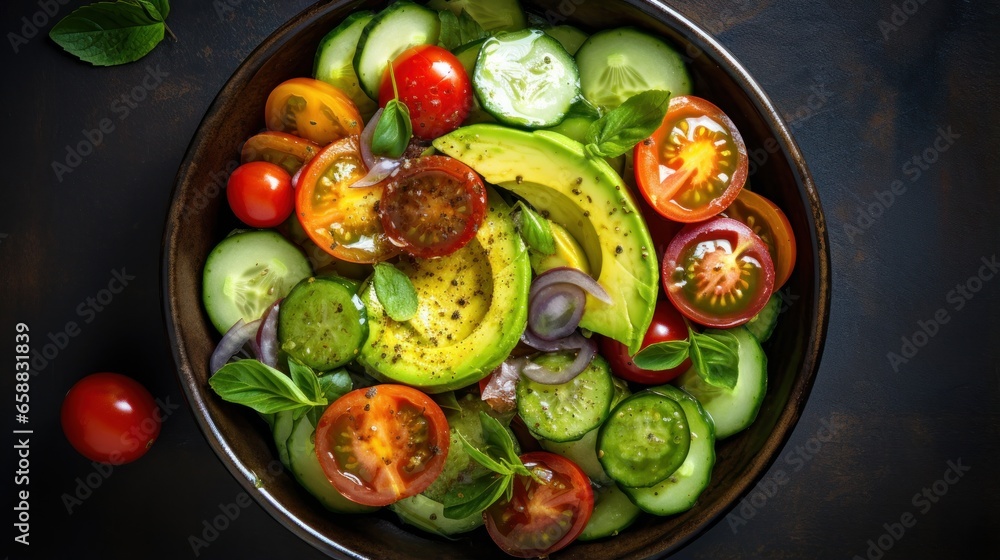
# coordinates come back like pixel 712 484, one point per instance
pixel 699 43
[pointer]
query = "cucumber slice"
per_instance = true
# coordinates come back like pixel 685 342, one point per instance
pixel 307 470
pixel 618 63
pixel 246 273
pixel 762 324
pixel 733 410
pixel 493 15
pixel 567 411
pixel 644 441
pixel 679 491
pixel 283 424
pixel 323 322
pixel 613 513
pixel 400 26
pixel 334 63
pixel 568 36
pixel 428 515
pixel 526 79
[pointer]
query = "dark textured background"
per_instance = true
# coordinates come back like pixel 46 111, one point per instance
pixel 864 99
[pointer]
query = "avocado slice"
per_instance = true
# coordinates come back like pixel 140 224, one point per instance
pixel 584 195
pixel 472 308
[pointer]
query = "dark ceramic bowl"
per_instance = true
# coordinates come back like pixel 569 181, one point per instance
pixel 199 217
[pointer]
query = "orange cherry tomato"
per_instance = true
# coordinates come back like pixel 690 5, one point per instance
pixel 313 110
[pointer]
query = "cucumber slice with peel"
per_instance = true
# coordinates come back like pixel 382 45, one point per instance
pixel 334 63
pixel 400 26
pixel 492 15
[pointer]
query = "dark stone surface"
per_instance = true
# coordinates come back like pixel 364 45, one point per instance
pixel 863 101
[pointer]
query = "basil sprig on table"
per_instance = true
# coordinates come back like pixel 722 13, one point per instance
pixel 623 127
pixel 463 500
pixel 715 356
pixel 111 33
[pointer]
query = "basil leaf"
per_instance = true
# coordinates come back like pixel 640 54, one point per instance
pixel 534 229
pixel 109 33
pixel 498 439
pixel 262 388
pixel 148 8
pixel 463 500
pixel 395 292
pixel 163 7
pixel 482 458
pixel 447 401
pixel 716 358
pixel 305 379
pixel 662 355
pixel 458 30
pixel 335 384
pixel 628 124
pixel 393 130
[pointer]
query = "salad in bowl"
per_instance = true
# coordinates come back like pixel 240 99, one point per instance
pixel 483 275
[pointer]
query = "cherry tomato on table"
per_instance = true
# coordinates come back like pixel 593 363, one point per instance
pixel 341 219
pixel 667 325
pixel 432 206
pixel 718 273
pixel 110 418
pixel 545 514
pixel 434 86
pixel 772 226
pixel 260 194
pixel 383 443
pixel 313 110
pixel 694 165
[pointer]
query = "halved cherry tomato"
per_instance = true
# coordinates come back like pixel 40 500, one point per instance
pixel 432 206
pixel 312 109
pixel 287 150
pixel 381 444
pixel 667 325
pixel 546 512
pixel 434 86
pixel 695 164
pixel 342 220
pixel 260 194
pixel 770 223
pixel 718 273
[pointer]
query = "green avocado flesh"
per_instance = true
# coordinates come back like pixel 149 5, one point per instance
pixel 585 196
pixel 471 311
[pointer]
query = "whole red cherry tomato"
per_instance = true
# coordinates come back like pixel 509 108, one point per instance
pixel 668 324
pixel 434 86
pixel 260 194
pixel 110 418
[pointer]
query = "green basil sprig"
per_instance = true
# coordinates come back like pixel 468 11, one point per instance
pixel 715 356
pixel 111 33
pixel 463 500
pixel 395 292
pixel 534 229
pixel 393 130
pixel 623 127
pixel 267 390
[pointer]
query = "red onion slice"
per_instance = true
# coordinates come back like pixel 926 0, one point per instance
pixel 571 342
pixel 366 141
pixel 569 275
pixel 555 310
pixel 267 336
pixel 542 374
pixel 500 392
pixel 376 174
pixel 232 342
